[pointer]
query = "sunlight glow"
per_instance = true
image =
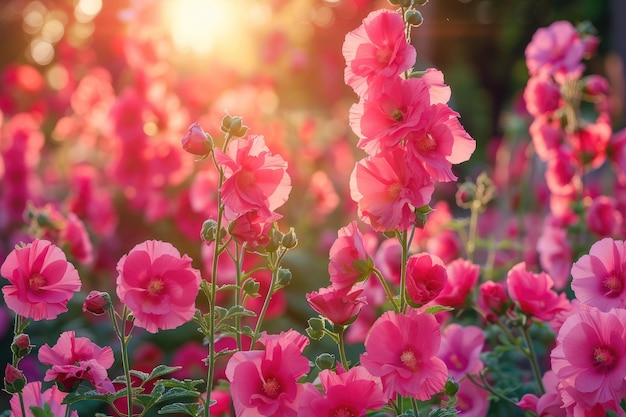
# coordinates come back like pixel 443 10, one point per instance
pixel 201 25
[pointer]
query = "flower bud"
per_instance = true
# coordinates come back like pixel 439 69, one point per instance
pixel 465 195
pixel 284 277
pixel 289 239
pixel 97 302
pixel 234 126
pixel 196 141
pixel 413 17
pixel 451 387
pixel 209 231
pixel 251 288
pixel 14 380
pixel 325 361
pixel 21 345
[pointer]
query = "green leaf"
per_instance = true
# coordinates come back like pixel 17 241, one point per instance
pixel 443 412
pixel 191 409
pixel 162 370
pixel 408 413
pixel 239 311
pixel 437 309
pixel 143 377
pixel 225 352
pixel 175 393
pixel 189 384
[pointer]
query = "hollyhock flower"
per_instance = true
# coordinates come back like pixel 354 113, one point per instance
pixel 338 305
pixel 441 143
pixel 346 393
pixel 97 302
pixel 75 359
pixel 74 235
pixel 438 90
pixel 196 141
pixel 387 190
pixel 562 174
pixel 460 349
pixel 589 143
pixel 158 285
pixel 33 397
pixel 462 277
pixel 598 277
pixel 556 50
pixel 426 277
pixel 472 401
pixel 325 198
pixel 265 382
pixel 590 356
pixel 42 281
pixel 388 259
pixel 542 95
pixel 347 249
pixel 389 113
pixel 547 134
pixel 533 293
pixel 549 404
pixel 555 253
pixel 377 49
pixel 252 228
pixel 602 216
pixel 407 365
pixel 616 151
pixel 254 178
pixel 445 244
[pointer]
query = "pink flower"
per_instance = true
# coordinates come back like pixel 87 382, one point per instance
pixel 406 364
pixel 550 403
pixel 556 50
pixel 196 141
pixel 74 235
pixel 254 178
pixel 547 135
pixel 472 401
pixel 377 49
pixel 387 190
pixel 338 305
pixel 555 253
pixel 493 299
pixel 97 302
pixel 533 293
pixel 347 249
pixel 460 349
pixel 346 393
pixel 33 397
pixel 75 359
pixel 265 382
pixel 462 277
pixel 42 281
pixel 388 258
pixel 158 285
pixel 542 95
pixel 426 277
pixel 603 217
pixel 590 142
pixel 590 356
pixel 253 228
pixel 598 277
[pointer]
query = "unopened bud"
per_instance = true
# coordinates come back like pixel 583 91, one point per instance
pixel 234 126
pixel 97 302
pixel 251 288
pixel 290 239
pixel 413 17
pixel 465 194
pixel 196 141
pixel 284 277
pixel 451 387
pixel 14 380
pixel 209 231
pixel 274 242
pixel 325 361
pixel 21 345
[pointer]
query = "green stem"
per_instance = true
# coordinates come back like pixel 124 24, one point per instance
pixel 484 385
pixel 274 266
pixel 340 330
pixel 238 300
pixel 382 280
pixel 22 407
pixel 473 228
pixel 532 357
pixel 402 237
pixel 124 339
pixel 415 408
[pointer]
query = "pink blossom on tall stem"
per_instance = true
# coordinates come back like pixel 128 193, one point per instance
pixel 550 403
pixel 377 49
pixel 603 217
pixel 590 357
pixel 75 359
pixel 533 293
pixel 388 258
pixel 338 305
pixel 42 281
pixel 472 400
pixel 254 178
pixel 252 228
pixel 460 349
pixel 158 285
pixel 426 277
pixel 346 393
pixel 407 365
pixel 541 95
pixel 598 278
pixel 348 248
pixel 493 299
pixel 462 277
pixel 547 135
pixel 555 252
pixel 556 50
pixel 265 382
pixel 388 190
pixel 590 141
pixel 33 397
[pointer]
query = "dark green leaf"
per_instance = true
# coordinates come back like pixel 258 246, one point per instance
pixel 443 412
pixel 162 370
pixel 191 409
pixel 437 309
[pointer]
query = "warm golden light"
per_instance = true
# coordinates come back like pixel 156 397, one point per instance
pixel 200 25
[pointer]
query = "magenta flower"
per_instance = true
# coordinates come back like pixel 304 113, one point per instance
pixel 590 357
pixel 598 278
pixel 377 49
pixel 196 141
pixel 338 305
pixel 252 228
pixel 541 95
pixel 75 359
pixel 42 281
pixel 346 393
pixel 462 277
pixel 347 249
pixel 426 276
pixel 406 364
pixel 556 50
pixel 158 285
pixel 388 190
pixel 472 400
pixel 33 397
pixel 265 382
pixel 255 179
pixel 533 293
pixel 460 349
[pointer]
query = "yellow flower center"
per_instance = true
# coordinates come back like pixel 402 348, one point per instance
pixel 156 286
pixel 409 360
